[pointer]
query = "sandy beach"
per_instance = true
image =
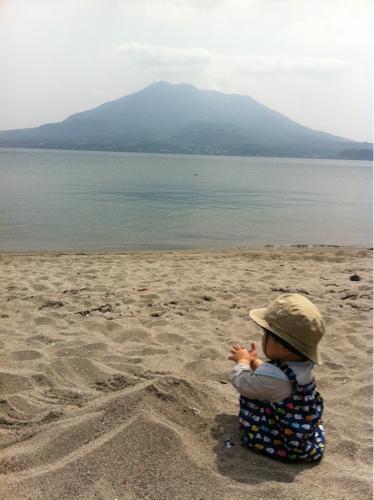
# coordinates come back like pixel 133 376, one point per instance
pixel 114 373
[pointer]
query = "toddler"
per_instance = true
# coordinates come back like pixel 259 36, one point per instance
pixel 280 407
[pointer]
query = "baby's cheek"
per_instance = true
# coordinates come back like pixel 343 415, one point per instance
pixel 264 338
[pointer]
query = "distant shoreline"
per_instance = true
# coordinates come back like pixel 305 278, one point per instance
pixel 198 153
pixel 259 248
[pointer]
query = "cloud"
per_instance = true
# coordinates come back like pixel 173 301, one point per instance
pixel 161 55
pixel 170 9
pixel 185 4
pixel 185 10
pixel 199 59
pixel 313 66
pixel 332 26
pixel 315 34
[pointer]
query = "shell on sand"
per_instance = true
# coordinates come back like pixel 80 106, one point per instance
pixel 113 368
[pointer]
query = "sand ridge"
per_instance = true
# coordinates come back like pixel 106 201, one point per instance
pixel 114 373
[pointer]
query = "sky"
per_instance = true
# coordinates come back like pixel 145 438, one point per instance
pixel 311 60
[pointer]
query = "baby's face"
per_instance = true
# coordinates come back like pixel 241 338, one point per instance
pixel 273 349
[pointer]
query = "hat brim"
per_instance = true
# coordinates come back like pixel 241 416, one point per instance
pixel 258 316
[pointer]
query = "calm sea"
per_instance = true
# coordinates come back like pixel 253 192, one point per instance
pixel 77 200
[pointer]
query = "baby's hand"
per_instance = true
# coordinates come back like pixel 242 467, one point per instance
pixel 254 362
pixel 240 355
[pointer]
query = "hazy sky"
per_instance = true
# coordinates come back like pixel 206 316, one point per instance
pixel 308 59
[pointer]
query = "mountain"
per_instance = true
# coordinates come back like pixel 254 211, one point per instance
pixel 182 119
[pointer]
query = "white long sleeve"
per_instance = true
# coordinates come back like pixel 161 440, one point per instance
pixel 268 382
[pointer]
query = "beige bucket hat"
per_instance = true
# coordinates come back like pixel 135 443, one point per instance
pixel 296 320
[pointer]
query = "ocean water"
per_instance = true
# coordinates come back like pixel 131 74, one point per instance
pixel 95 201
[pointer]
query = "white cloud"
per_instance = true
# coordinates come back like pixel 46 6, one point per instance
pixel 333 26
pixel 313 66
pixel 317 34
pixel 182 5
pixel 203 60
pixel 160 55
pixel 171 9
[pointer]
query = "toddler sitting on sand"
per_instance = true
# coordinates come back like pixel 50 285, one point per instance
pixel 280 407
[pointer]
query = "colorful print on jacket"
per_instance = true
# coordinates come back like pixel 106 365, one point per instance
pixel 290 429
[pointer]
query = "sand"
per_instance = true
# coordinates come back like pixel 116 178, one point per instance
pixel 114 372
